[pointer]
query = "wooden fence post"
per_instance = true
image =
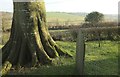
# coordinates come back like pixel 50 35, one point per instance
pixel 80 53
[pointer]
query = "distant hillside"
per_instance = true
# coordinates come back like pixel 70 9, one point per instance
pixel 111 17
pixel 6 15
pixel 6 19
pixel 64 17
pixel 108 17
pixel 53 16
pixel 79 13
pixel 57 18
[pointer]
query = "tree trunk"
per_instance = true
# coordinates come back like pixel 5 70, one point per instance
pixel 30 42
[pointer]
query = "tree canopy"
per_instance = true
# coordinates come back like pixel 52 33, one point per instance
pixel 94 17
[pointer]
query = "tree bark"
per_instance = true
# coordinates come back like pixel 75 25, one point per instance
pixel 30 42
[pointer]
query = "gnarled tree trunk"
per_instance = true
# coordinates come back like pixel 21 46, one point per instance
pixel 30 42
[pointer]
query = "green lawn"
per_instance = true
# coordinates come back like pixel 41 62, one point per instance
pixel 101 60
pixel 98 60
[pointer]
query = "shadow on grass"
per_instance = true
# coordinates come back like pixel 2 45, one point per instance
pixel 97 67
pixel 102 67
pixel 55 70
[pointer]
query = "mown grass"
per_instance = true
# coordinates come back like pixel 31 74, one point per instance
pixel 98 60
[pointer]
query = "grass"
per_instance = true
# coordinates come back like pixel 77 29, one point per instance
pixel 62 17
pixel 101 60
pixel 58 30
pixel 98 60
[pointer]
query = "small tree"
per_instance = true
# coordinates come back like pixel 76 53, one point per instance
pixel 94 18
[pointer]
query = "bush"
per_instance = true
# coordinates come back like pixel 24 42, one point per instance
pixel 74 32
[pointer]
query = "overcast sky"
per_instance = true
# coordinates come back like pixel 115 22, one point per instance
pixel 103 6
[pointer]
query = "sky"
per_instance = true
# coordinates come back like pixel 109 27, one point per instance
pixel 103 6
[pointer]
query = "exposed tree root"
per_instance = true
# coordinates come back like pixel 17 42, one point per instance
pixel 6 67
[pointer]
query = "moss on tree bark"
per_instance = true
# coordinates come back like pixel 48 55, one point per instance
pixel 30 42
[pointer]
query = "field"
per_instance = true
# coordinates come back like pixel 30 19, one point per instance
pixel 98 61
pixel 61 18
pixel 101 60
pixel 55 18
